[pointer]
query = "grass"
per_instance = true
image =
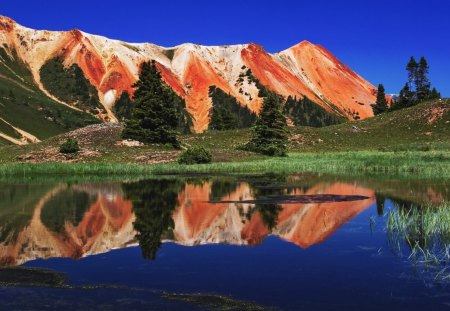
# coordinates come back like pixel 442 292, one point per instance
pixel 403 130
pixel 29 108
pixel 419 164
pixel 402 143
pixel 425 232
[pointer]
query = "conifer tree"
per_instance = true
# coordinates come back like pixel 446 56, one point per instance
pixel 412 67
pixel 270 131
pixel 381 104
pixel 405 98
pixel 123 107
pixel 156 112
pixel 434 94
pixel 418 86
pixel 422 81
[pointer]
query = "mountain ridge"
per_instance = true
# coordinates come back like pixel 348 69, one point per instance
pixel 112 66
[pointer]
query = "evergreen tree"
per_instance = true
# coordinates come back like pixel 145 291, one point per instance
pixel 270 135
pixel 156 114
pixel 412 67
pixel 405 99
pixel 434 94
pixel 422 81
pixel 305 112
pixel 227 113
pixel 123 107
pixel 381 104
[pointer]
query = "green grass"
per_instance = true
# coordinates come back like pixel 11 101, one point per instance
pixel 394 144
pixel 419 164
pixel 8 130
pixel 425 232
pixel 29 108
pixel 402 130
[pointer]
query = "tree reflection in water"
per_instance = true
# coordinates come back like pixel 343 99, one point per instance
pixel 153 204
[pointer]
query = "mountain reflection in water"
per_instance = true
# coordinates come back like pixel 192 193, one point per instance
pixel 83 219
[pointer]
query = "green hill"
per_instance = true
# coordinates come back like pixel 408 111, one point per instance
pixel 423 127
pixel 24 106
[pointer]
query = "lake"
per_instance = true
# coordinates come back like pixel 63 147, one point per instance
pixel 258 242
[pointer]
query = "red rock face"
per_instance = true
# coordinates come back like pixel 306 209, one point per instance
pixel 79 49
pixel 117 77
pixel 199 76
pixel 338 84
pixel 272 74
pixel 171 79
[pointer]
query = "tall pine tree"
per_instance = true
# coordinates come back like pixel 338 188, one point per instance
pixel 381 104
pixel 434 94
pixel 422 81
pixel 418 87
pixel 405 98
pixel 412 67
pixel 270 136
pixel 156 112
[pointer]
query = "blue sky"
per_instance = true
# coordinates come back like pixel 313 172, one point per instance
pixel 375 38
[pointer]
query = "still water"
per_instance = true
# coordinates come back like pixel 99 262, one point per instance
pixel 272 242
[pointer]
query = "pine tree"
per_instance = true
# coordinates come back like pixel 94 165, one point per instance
pixel 405 99
pixel 270 132
pixel 412 67
pixel 123 107
pixel 418 86
pixel 156 112
pixel 422 81
pixel 381 104
pixel 434 94
pixel 227 113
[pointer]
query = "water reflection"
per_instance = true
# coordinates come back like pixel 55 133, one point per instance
pixel 75 220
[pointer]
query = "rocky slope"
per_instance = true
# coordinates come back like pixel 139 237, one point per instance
pixel 112 66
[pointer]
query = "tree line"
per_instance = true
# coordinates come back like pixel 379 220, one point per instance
pixel 417 89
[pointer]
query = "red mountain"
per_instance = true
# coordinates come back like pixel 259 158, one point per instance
pixel 112 66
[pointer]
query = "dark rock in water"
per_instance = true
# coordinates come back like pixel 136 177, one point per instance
pixel 300 199
pixel 19 276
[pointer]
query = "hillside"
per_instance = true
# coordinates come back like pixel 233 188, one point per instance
pixel 26 113
pixel 106 68
pixel 424 127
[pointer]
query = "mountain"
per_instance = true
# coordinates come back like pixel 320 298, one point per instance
pixel 102 69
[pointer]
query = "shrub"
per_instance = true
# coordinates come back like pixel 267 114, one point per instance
pixel 69 146
pixel 195 155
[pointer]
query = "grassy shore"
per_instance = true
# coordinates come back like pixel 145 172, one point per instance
pixel 415 163
pixel 409 142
